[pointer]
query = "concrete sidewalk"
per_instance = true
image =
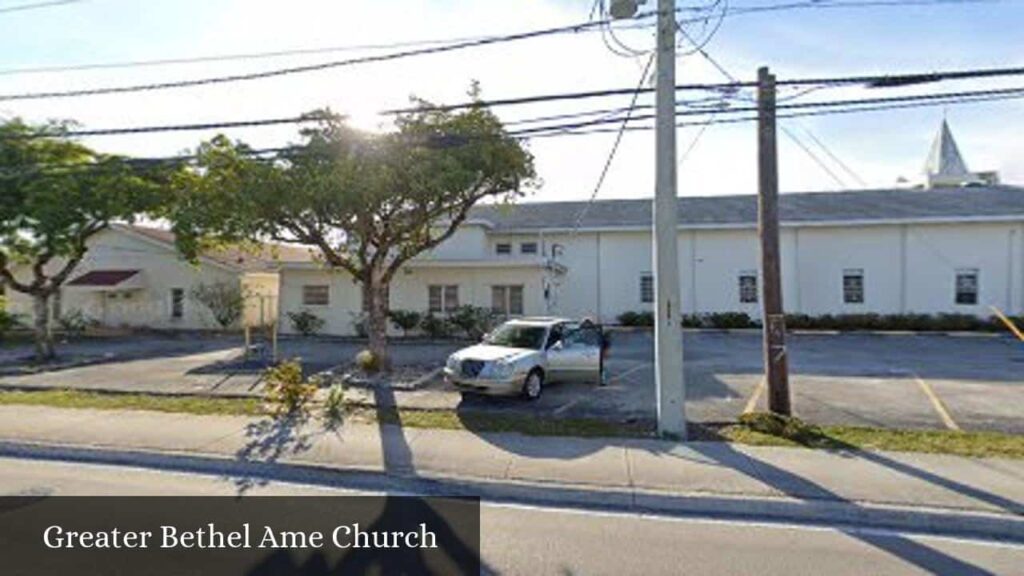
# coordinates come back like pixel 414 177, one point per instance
pixel 932 492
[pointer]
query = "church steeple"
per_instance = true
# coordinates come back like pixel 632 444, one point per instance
pixel 945 166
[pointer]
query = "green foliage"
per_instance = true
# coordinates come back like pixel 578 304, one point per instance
pixel 224 300
pixel 405 320
pixel 894 322
pixel 729 320
pixel 473 321
pixel 75 323
pixel 306 323
pixel 435 327
pixel 47 217
pixel 368 362
pixel 692 321
pixel 8 322
pixel 367 202
pixel 636 318
pixel 287 390
pixel 334 404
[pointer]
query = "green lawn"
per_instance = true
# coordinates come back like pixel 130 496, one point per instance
pixel 752 429
pixel 103 401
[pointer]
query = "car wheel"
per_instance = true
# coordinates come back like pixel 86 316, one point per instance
pixel 534 385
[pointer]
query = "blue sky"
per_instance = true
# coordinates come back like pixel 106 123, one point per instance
pixel 879 147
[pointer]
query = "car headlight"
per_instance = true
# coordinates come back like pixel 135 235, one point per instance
pixel 502 369
pixel 453 363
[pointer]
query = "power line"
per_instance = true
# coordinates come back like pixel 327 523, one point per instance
pixel 575 131
pixel 872 81
pixel 615 145
pixel 455 46
pixel 243 56
pixel 835 158
pixel 575 28
pixel 565 130
pixel 814 157
pixel 36 5
pixel 628 117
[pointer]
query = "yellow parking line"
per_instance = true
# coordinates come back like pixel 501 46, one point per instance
pixel 940 407
pixel 752 402
pixel 1009 323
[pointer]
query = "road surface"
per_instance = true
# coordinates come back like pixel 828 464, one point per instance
pixel 528 540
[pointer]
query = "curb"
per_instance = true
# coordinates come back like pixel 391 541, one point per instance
pixel 842 515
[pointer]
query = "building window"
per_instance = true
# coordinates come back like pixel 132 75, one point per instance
pixel 748 287
pixel 853 286
pixel 316 295
pixel 646 288
pixel 967 286
pixel 528 248
pixel 503 248
pixel 443 298
pixel 177 303
pixel 507 300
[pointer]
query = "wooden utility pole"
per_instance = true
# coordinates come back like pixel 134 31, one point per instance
pixel 775 361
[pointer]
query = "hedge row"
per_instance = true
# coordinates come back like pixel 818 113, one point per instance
pixel 842 322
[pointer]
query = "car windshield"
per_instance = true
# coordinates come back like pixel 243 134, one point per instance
pixel 518 336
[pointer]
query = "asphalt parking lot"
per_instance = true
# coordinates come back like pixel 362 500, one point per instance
pixel 973 382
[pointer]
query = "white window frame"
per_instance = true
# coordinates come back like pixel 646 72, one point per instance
pixel 447 298
pixel 646 292
pixel 534 250
pixel 743 295
pixel 307 300
pixel 503 248
pixel 963 272
pixel 847 292
pixel 505 308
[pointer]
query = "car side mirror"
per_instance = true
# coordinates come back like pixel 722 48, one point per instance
pixel 559 345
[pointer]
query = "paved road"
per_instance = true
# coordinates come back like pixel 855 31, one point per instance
pixel 523 540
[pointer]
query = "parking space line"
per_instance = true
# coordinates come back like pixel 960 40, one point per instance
pixel 630 371
pixel 752 402
pixel 937 403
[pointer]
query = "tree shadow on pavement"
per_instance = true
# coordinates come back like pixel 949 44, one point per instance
pixel 268 440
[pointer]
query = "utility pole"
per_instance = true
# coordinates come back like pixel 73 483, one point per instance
pixel 775 360
pixel 668 335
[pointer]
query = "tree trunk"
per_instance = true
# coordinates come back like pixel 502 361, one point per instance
pixel 56 306
pixel 42 329
pixel 375 290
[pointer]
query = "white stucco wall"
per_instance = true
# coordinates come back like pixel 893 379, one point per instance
pixel 150 307
pixel 409 291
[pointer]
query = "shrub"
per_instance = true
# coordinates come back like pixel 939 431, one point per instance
pixel 473 321
pixel 435 327
pixel 8 322
pixel 405 320
pixel 287 389
pixel 224 300
pixel 306 323
pixel 334 404
pixel 636 318
pixel 368 362
pixel 360 324
pixel 75 323
pixel 730 320
pixel 691 321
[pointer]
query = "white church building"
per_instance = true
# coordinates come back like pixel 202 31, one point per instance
pixel 952 245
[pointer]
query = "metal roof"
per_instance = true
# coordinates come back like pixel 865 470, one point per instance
pixel 858 206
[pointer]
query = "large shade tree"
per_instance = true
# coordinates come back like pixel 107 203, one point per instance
pixel 366 203
pixel 55 194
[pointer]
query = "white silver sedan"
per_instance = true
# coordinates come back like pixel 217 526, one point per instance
pixel 521 356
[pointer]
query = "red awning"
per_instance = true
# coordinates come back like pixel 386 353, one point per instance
pixel 103 278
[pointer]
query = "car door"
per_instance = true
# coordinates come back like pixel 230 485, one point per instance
pixel 559 359
pixel 582 344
